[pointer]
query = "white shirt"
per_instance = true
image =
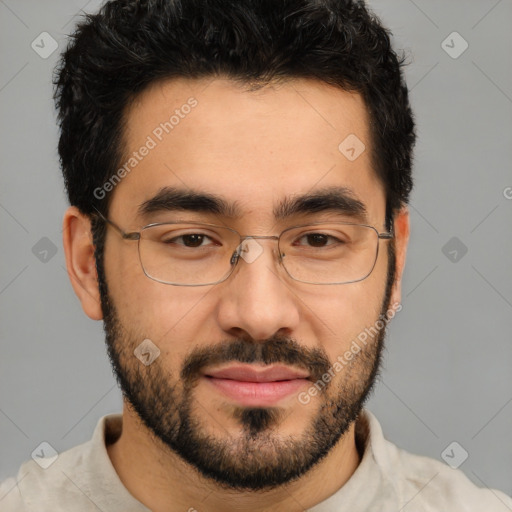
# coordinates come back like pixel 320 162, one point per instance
pixel 388 479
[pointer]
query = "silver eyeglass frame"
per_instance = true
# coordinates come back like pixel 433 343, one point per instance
pixel 235 257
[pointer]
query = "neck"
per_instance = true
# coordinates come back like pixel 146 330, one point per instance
pixel 163 482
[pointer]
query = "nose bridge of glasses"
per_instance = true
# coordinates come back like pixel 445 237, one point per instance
pixel 250 249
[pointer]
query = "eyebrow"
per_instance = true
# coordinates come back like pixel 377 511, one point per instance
pixel 176 199
pixel 339 200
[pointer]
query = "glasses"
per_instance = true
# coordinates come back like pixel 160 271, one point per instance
pixel 184 253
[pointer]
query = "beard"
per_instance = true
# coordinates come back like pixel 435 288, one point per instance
pixel 258 457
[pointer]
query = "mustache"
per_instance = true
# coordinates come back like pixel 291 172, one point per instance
pixel 271 351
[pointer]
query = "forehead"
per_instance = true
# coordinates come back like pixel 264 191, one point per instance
pixel 255 148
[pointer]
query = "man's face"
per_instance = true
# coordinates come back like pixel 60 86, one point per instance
pixel 256 150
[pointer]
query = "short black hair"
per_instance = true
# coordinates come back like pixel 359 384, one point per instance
pixel 129 44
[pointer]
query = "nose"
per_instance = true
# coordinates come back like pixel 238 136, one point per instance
pixel 257 300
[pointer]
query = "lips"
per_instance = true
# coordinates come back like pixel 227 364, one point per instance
pixel 246 373
pixel 254 386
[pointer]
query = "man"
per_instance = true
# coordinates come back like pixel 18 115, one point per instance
pixel 238 174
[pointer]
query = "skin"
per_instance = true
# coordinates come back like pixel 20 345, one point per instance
pixel 255 148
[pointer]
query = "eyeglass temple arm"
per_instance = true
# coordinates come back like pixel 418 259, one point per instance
pixel 388 235
pixel 127 236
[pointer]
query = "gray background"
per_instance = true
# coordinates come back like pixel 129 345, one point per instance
pixel 447 371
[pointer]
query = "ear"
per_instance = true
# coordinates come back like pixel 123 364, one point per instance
pixel 401 228
pixel 80 261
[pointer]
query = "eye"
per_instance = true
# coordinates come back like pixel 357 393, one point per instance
pixel 191 240
pixel 318 240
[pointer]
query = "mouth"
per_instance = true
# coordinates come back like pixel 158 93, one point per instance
pixel 255 386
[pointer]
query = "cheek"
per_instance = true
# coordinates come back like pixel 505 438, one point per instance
pixel 160 312
pixel 169 320
pixel 342 315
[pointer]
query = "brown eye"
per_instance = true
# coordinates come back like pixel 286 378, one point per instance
pixel 317 240
pixel 193 240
